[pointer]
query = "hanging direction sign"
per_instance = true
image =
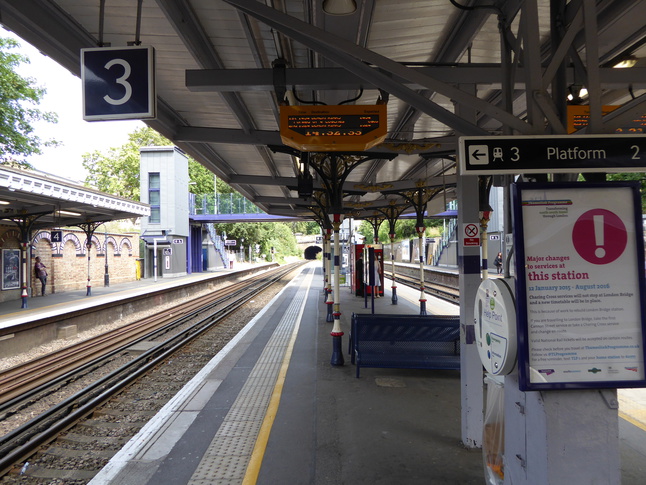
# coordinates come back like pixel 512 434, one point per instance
pixel 552 154
pixel 333 128
pixel 118 83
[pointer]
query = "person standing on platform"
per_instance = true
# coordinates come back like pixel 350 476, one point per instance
pixel 41 273
pixel 377 280
pixel 359 269
pixel 498 263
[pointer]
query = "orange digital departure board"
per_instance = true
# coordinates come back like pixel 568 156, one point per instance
pixel 333 128
pixel 578 115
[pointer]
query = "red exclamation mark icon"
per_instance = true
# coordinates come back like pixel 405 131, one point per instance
pixel 597 220
pixel 599 236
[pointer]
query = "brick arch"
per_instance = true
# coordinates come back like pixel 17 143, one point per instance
pixel 94 240
pixel 113 241
pixel 10 234
pixel 45 236
pixel 70 236
pixel 125 242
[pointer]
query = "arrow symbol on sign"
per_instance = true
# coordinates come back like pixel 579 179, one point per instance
pixel 477 154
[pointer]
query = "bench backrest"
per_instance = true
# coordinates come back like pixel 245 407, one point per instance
pixel 405 328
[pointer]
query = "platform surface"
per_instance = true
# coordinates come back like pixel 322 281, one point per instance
pixel 38 307
pixel 270 409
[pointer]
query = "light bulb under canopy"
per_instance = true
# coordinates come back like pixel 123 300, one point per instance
pixel 339 7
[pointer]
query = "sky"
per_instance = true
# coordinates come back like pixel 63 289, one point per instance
pixel 64 97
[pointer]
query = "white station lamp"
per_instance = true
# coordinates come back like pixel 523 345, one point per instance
pixel 339 7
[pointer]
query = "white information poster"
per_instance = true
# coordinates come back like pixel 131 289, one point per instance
pixel 581 271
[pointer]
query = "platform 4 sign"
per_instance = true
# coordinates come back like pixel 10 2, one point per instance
pixel 552 154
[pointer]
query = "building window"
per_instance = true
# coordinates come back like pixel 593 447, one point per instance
pixel 153 197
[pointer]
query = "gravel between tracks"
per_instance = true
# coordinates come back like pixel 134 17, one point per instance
pixel 180 375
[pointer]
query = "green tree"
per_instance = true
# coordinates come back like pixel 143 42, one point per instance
pixel 306 227
pixel 117 170
pixel 278 235
pixel 19 98
pixel 404 229
pixel 633 176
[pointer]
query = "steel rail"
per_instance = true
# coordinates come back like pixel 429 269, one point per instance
pixel 24 381
pixel 27 439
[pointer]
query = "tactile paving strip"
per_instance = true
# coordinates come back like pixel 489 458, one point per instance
pixel 227 457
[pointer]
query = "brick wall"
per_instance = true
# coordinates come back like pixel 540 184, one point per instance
pixel 67 262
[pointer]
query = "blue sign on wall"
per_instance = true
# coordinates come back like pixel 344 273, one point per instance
pixel 118 83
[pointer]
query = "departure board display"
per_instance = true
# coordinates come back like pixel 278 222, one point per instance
pixel 333 128
pixel 578 116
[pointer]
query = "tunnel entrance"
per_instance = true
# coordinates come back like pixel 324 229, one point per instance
pixel 311 252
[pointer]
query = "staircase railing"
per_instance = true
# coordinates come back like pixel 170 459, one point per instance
pixel 233 203
pixel 218 243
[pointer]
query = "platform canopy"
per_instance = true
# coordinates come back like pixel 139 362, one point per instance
pixel 58 202
pixel 443 69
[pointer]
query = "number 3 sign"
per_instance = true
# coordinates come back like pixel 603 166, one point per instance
pixel 118 83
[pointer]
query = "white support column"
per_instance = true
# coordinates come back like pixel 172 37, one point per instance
pixel 471 375
pixel 337 332
pixel 547 432
pixel 329 299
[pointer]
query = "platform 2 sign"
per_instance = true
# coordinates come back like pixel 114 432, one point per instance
pixel 552 154
pixel 118 83
pixel 333 128
pixel 580 285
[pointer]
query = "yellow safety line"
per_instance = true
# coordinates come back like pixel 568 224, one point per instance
pixel 258 453
pixel 632 420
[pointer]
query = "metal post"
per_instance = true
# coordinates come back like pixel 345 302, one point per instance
pixel 89 284
pixel 392 269
pixel 106 274
pixel 337 333
pixel 155 259
pixel 484 242
pixel 329 298
pixel 422 297
pixel 23 293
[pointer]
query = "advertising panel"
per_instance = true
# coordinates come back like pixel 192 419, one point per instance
pixel 580 266
pixel 10 269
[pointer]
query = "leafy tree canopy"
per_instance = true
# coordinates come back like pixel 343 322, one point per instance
pixel 306 227
pixel 117 171
pixel 404 229
pixel 19 98
pixel 634 176
pixel 266 234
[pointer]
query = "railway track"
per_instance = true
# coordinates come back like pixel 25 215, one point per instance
pixel 444 291
pixel 76 436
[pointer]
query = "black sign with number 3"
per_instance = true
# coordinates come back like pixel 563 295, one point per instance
pixel 118 83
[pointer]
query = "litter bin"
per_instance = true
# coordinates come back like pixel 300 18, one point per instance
pixel 493 443
pixel 139 265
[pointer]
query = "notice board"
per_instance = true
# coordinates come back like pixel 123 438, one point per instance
pixel 580 285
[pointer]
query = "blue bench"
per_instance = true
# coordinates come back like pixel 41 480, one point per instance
pixel 405 341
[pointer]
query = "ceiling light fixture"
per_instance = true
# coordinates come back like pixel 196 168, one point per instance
pixel 339 7
pixel 67 213
pixel 628 62
pixel 4 202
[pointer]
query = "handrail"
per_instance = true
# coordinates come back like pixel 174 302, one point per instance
pixel 233 203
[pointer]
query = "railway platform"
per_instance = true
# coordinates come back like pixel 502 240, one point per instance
pixel 39 307
pixel 270 409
